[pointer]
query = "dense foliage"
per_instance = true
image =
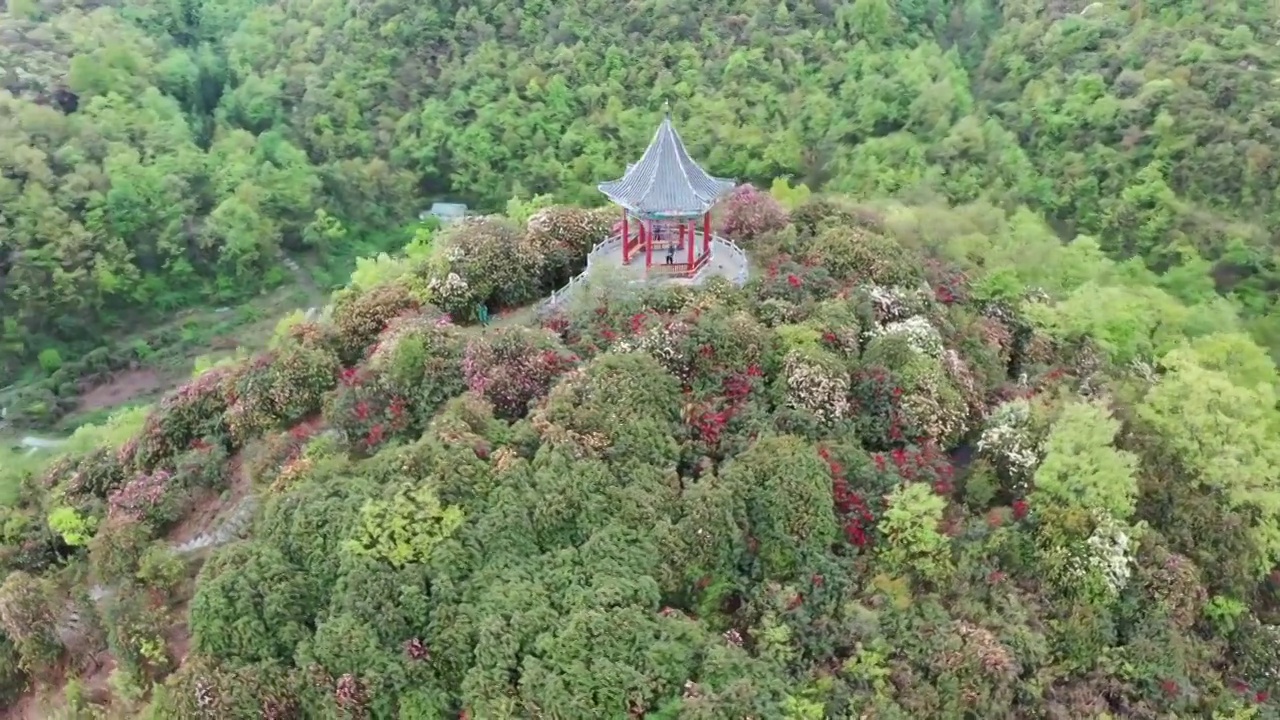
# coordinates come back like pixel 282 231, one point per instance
pixel 155 155
pixel 927 462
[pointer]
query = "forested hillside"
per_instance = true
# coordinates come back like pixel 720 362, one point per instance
pixel 161 154
pixel 991 431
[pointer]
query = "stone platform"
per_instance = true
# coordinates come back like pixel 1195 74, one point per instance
pixel 604 265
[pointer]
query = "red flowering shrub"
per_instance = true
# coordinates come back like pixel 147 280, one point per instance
pixel 514 366
pixel 420 360
pixel 360 316
pixel 749 213
pixel 925 463
pixel 268 458
pixel 857 523
pixel 787 292
pixel 153 498
pixel 877 407
pixel 950 286
pixel 193 411
pixel 365 411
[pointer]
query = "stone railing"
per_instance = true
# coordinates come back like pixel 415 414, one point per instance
pixel 613 243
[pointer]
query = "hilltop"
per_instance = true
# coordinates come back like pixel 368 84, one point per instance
pixel 927 461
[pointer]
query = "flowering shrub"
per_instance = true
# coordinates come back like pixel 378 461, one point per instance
pixel 925 463
pixel 95 474
pixel 857 523
pixel 28 621
pixel 817 383
pixel 246 421
pixel 817 213
pixel 591 407
pixel 876 405
pixel 513 366
pixel 490 260
pixel 788 291
pixel 749 213
pixel 563 235
pixel 153 498
pixel 1099 567
pixel 365 411
pixel 853 253
pixel 916 331
pixel 890 304
pixel 203 466
pixel 419 359
pixel 305 367
pixel 360 316
pixel 1009 442
pixel 950 286
pixel 193 411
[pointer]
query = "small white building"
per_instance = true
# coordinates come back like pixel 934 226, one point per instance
pixel 445 212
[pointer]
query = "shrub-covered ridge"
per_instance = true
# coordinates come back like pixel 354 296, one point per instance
pixel 927 462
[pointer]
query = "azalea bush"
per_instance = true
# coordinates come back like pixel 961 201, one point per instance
pixel 563 236
pixel 204 466
pixel 749 213
pixel 360 316
pixel 482 260
pixel 304 368
pixel 193 411
pixel 154 498
pixel 419 359
pixel 850 252
pixel 511 367
pixel 366 411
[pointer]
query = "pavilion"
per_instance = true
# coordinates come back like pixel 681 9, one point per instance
pixel 664 194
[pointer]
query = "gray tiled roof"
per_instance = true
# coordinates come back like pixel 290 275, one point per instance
pixel 666 181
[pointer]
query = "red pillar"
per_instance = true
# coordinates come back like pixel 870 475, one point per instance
pixel 693 240
pixel 626 238
pixel 647 233
pixel 706 233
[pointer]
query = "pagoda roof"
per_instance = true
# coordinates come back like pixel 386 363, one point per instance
pixel 665 181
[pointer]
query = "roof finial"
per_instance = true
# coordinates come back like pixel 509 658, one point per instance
pixel 666 108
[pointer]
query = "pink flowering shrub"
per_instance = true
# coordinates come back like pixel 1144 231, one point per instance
pixel 512 367
pixel 419 359
pixel 749 213
pixel 266 459
pixel 193 411
pixel 153 498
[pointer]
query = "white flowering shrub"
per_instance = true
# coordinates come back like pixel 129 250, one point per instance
pixel 818 385
pixel 893 303
pixel 451 292
pixel 919 333
pixel 1009 442
pixel 1111 553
